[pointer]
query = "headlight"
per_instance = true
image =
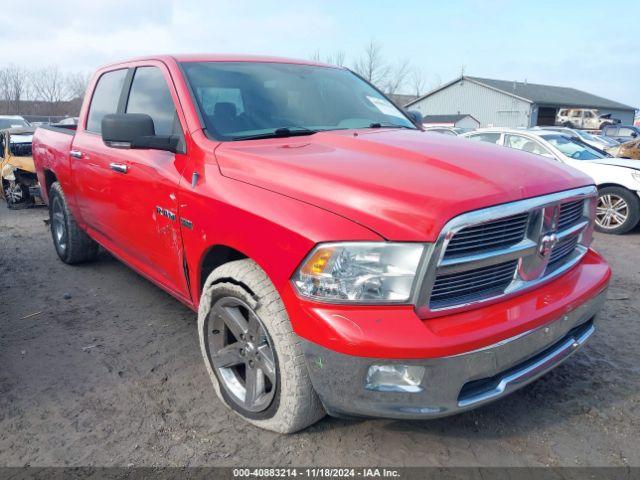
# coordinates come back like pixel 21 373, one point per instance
pixel 360 272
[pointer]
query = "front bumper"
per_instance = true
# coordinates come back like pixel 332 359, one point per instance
pixel 454 383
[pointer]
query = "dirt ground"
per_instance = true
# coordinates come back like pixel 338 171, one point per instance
pixel 100 367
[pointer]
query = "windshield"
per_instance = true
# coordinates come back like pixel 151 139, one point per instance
pixel 240 100
pixel 12 123
pixel 573 148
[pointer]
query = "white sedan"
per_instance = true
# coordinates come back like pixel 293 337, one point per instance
pixel 618 179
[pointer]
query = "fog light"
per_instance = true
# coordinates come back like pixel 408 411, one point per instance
pixel 394 378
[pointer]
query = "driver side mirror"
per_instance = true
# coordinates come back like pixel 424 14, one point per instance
pixel 135 130
pixel 415 117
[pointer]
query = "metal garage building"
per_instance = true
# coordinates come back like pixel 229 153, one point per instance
pixel 501 103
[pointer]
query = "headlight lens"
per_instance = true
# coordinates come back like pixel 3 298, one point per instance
pixel 360 272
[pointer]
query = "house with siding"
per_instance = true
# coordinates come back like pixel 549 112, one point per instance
pixel 502 103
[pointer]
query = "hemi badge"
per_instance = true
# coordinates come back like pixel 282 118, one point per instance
pixel 186 223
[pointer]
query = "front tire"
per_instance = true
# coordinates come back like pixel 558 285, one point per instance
pixel 72 244
pixel 16 194
pixel 618 210
pixel 252 356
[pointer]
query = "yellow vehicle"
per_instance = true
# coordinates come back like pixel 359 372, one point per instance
pixel 20 187
pixel 627 150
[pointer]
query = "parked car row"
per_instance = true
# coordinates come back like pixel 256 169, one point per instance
pixel 618 179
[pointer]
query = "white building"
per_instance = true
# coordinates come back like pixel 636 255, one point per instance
pixel 501 103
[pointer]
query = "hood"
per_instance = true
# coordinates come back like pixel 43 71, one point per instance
pixel 402 184
pixel 21 138
pixel 619 162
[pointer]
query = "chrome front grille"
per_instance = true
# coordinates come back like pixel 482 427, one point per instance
pixel 495 252
pixel 488 236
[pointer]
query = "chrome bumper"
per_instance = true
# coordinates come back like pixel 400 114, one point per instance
pixel 456 383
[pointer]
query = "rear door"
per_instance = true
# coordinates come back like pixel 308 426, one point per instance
pixel 90 158
pixel 145 185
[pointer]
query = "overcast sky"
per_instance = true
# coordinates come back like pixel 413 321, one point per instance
pixel 581 44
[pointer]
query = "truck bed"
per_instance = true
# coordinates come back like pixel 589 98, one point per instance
pixel 51 147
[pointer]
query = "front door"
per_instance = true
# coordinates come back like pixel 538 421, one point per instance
pixel 145 185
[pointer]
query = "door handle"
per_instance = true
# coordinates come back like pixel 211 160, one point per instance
pixel 118 167
pixel 76 153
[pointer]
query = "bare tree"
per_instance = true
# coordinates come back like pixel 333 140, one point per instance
pixel 397 76
pixel 13 86
pixel 337 58
pixel 372 66
pixel 315 56
pixel 76 84
pixel 49 85
pixel 417 81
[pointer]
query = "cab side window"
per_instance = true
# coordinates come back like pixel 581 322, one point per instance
pixel 105 98
pixel 526 145
pixel 150 94
pixel 486 137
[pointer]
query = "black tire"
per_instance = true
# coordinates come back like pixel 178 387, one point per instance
pixel 14 189
pixel 567 124
pixel 72 244
pixel 631 213
pixel 292 402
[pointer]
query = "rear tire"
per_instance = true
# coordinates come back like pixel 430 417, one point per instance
pixel 72 244
pixel 287 401
pixel 618 210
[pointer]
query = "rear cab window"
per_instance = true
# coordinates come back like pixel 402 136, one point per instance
pixel 105 98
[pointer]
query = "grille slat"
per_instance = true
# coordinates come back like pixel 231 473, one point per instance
pixel 563 248
pixel 454 288
pixel 512 237
pixel 472 274
pixel 472 286
pixel 570 213
pixel 501 233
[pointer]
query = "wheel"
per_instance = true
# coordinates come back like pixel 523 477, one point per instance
pixel 72 244
pixel 16 194
pixel 618 210
pixel 252 355
pixel 567 124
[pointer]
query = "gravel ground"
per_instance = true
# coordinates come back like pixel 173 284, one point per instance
pixel 100 367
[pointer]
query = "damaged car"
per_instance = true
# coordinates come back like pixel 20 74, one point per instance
pixel 626 150
pixel 20 187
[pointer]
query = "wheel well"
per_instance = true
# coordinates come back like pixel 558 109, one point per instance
pixel 49 178
pixel 605 185
pixel 216 256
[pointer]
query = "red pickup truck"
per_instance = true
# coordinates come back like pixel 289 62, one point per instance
pixel 340 259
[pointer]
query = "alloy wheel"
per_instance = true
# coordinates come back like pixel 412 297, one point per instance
pixel 13 193
pixel 612 211
pixel 58 225
pixel 242 354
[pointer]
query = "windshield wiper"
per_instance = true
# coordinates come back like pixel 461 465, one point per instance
pixel 389 125
pixel 281 132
